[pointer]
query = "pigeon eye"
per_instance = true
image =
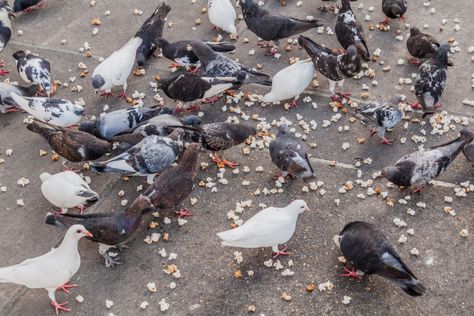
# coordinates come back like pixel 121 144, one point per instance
pixel 78 231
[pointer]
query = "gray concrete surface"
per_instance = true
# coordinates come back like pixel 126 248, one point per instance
pixel 207 285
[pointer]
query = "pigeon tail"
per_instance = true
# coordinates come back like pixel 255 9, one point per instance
pixel 412 287
pixel 152 28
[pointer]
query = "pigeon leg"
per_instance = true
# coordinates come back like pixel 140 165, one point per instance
pixel 373 131
pixel 416 106
pixel 417 190
pixel 294 103
pixel 386 141
pixel 60 307
pixel 4 72
pixel 346 95
pixel 438 105
pixel 75 170
pixel 351 273
pixel 281 175
pixel 29 10
pixel 281 252
pixel 174 65
pixel 402 18
pixel 122 95
pixel 13 109
pixel 211 100
pixel 265 44
pixel 107 94
pixel 194 70
pixel 385 22
pixel 215 28
pixel 184 212
pixel 414 61
pixel 81 208
pixel 222 163
pixel 111 262
pixel 66 286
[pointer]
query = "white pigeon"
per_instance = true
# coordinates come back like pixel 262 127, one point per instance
pixel 66 190
pixel 268 228
pixel 59 112
pixel 222 15
pixel 52 270
pixel 290 82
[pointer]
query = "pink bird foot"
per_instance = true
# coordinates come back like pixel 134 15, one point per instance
pixel 174 65
pixel 60 307
pixel 438 105
pixel 107 94
pixel 122 95
pixel 373 131
pixel 293 104
pixel 351 273
pixel 385 22
pixel 211 100
pixel 194 70
pixel 345 95
pixel 81 208
pixel 13 110
pixel 414 61
pixel 386 141
pixel 336 98
pixel 417 190
pixel 416 106
pixel 281 253
pixel 66 286
pixel 184 212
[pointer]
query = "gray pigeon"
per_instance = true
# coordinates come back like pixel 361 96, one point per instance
pixel 430 82
pixel 150 156
pixel 418 168
pixel 217 65
pixel 394 9
pixel 468 151
pixel 369 251
pixel 110 124
pixel 331 65
pixel 382 115
pixel 288 155
pixel 34 69
pixel 6 102
pixel 5 27
pixel 421 45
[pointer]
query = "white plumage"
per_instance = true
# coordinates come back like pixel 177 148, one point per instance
pixel 268 228
pixel 66 190
pixel 51 270
pixel 291 81
pixel 222 14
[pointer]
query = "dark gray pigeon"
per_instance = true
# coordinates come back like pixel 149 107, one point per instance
pixel 369 251
pixel 150 156
pixel 110 124
pixel 108 229
pixel 273 27
pixel 28 5
pixel 217 65
pixel 5 27
pixel 418 168
pixel 288 154
pixel 349 31
pixel 381 115
pixel 182 55
pixel 333 66
pixel 7 104
pixel 34 69
pixel 394 9
pixel 422 46
pixel 430 82
pixel 468 151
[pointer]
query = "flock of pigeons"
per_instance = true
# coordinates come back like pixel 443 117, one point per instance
pixel 146 141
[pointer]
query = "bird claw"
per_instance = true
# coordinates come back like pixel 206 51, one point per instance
pixel 293 104
pixel 75 170
pixel 351 273
pixel 4 72
pixel 184 212
pixel 438 105
pixel 414 61
pixel 416 190
pixel 211 100
pixel 265 44
pixel 416 106
pixel 281 253
pixel 66 286
pixel 13 109
pixel 193 70
pixel 385 22
pixel 336 98
pixel 373 131
pixel 222 163
pixel 386 141
pixel 111 262
pixel 81 208
pixel 60 307
pixel 122 95
pixel 107 94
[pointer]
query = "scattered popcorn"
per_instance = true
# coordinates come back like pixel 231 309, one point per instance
pixel 464 233
pixel 326 286
pixel 79 299
pixel 144 305
pixel 164 306
pixel 109 304
pixel 346 300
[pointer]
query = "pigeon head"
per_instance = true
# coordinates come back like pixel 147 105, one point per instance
pixel 442 54
pixel 19 55
pixel 414 31
pixel 240 132
pixel 188 161
pixel 351 63
pixel 141 203
pixel 97 82
pixel 76 232
pixel 283 129
pixel 191 120
pixel 91 127
pixel 396 10
pixel 466 135
pixel 44 176
pixel 391 173
pixel 298 206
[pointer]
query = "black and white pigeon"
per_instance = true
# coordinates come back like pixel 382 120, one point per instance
pixel 273 27
pixel 147 158
pixel 422 46
pixel 331 65
pixel 34 69
pixel 109 230
pixel 288 154
pixel 418 168
pixel 369 252
pixel 349 31
pixel 5 26
pixel 148 47
pixel 430 82
pixel 116 68
pixel 468 151
pixel 381 115
pixel 6 101
pixel 188 87
pixel 28 5
pixel 110 124
pixel 71 144
pixel 394 9
pixel 219 137
pixel 217 65
pixel 58 112
pixel 181 52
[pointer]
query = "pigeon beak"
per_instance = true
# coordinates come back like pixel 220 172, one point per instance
pixel 88 234
pixel 306 209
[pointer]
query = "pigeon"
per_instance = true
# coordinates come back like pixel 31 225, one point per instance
pixel 58 112
pixel 28 5
pixel 418 168
pixel 182 55
pixel 222 15
pixel 110 124
pixel 217 65
pixel 290 82
pixel 382 115
pixel 273 27
pixel 110 230
pixel 332 66
pixel 5 27
pixel 175 183
pixel 52 270
pixel 152 155
pixel 393 9
pixel 369 252
pixel 349 31
pixel 288 155
pixel 6 102
pixel 189 87
pixel 155 126
pixel 468 151
pixel 430 82
pixel 73 145
pixel 66 190
pixel 422 46
pixel 116 68
pixel 155 31
pixel 34 69
pixel 219 137
pixel 268 228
